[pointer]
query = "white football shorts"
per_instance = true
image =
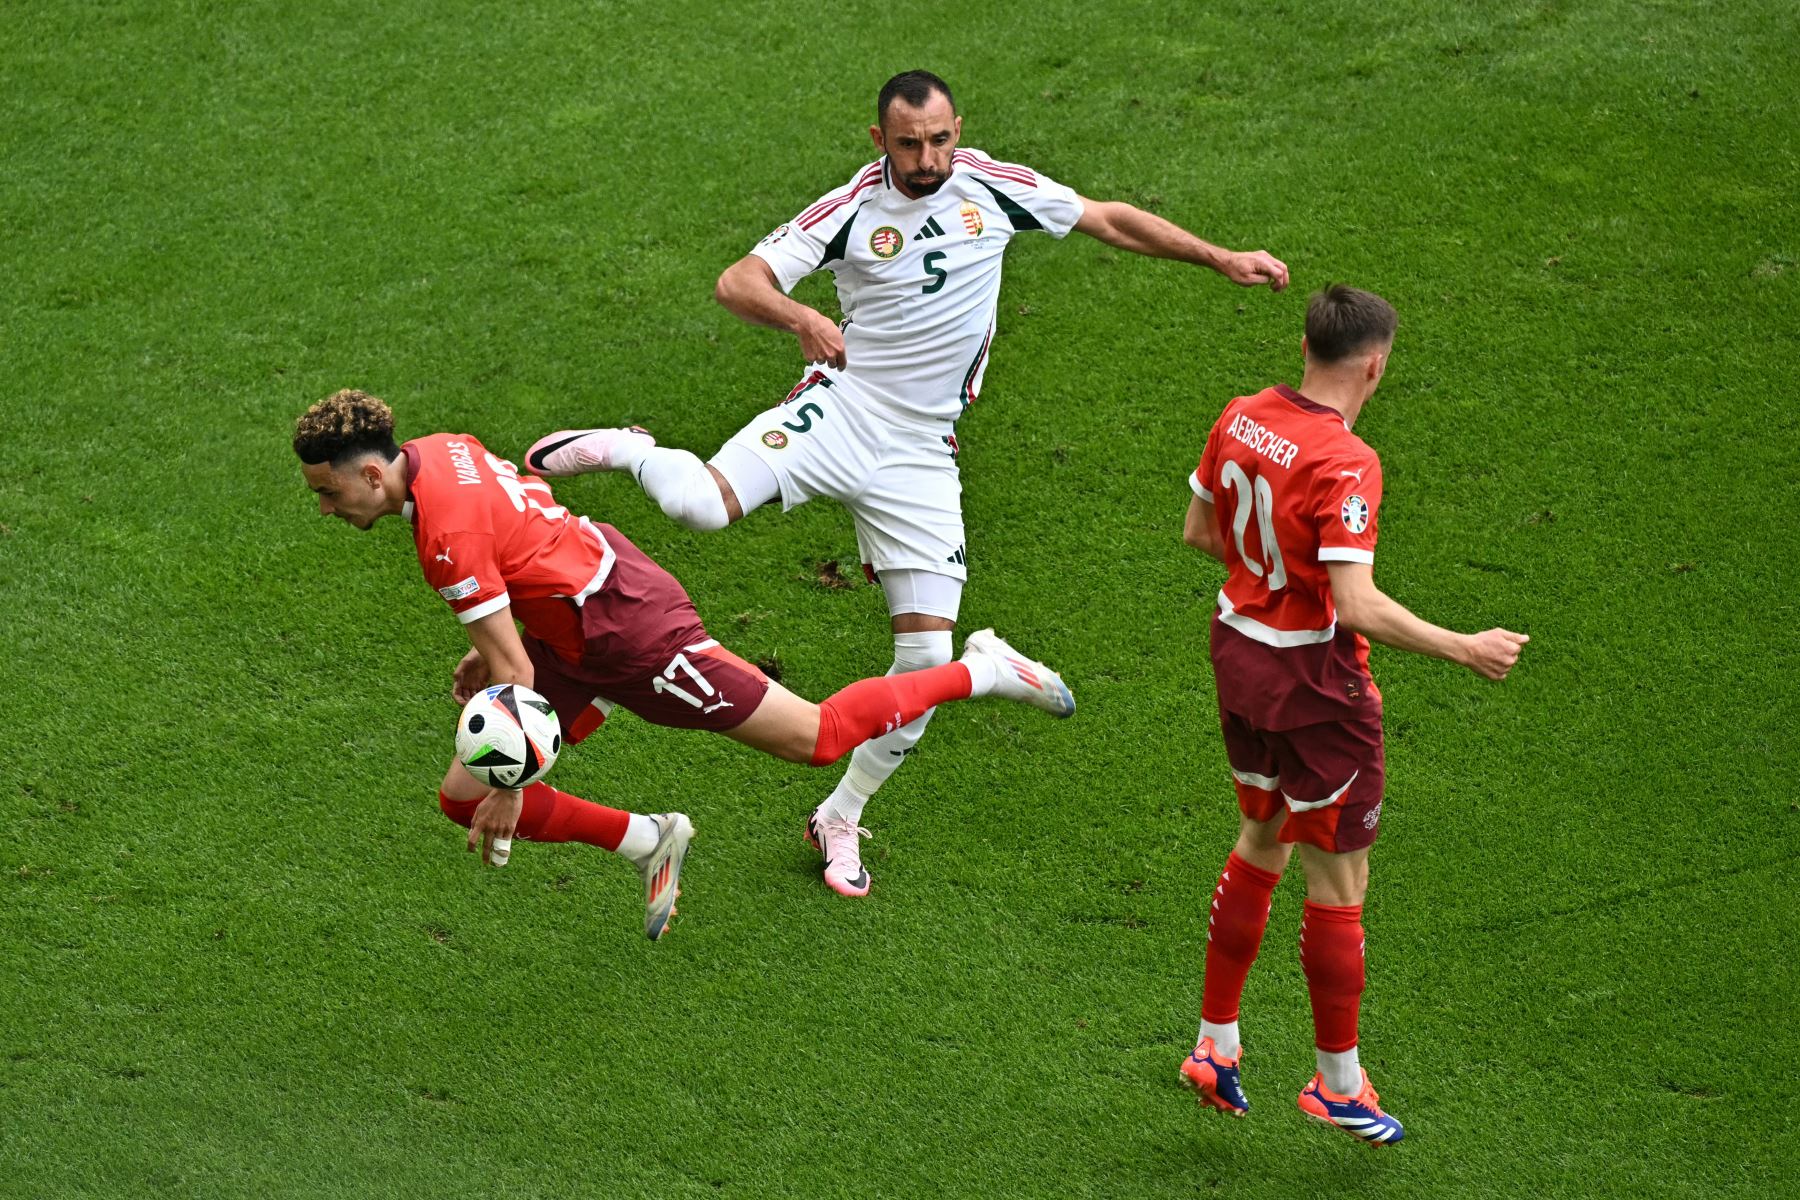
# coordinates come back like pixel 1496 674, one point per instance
pixel 897 476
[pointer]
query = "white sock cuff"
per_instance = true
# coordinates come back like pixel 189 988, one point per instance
pixel 1341 1069
pixel 1224 1036
pixel 640 837
pixel 917 651
pixel 984 674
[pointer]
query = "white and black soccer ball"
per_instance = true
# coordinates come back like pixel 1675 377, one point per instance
pixel 508 736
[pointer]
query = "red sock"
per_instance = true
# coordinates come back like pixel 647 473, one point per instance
pixel 1331 954
pixel 869 708
pixel 1234 933
pixel 553 816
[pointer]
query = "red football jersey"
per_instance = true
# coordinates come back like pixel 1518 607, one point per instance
pixel 489 537
pixel 1292 489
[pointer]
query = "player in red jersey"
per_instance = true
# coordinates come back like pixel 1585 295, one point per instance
pixel 915 242
pixel 1286 497
pixel 603 625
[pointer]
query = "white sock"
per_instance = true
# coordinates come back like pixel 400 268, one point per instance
pixel 679 482
pixel 628 454
pixel 1225 1037
pixel 875 760
pixel 984 674
pixel 854 789
pixel 1342 1071
pixel 640 837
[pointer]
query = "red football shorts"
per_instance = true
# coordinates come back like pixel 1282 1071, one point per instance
pixel 701 686
pixel 1328 778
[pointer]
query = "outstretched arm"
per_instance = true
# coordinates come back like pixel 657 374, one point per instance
pixel 747 289
pixel 1371 612
pixel 1131 228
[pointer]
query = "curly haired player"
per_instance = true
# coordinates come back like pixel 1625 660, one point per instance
pixel 604 625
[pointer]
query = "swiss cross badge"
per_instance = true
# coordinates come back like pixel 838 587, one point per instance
pixel 885 242
pixel 971 217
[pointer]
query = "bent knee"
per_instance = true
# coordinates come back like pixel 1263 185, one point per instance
pixel 688 519
pixel 699 507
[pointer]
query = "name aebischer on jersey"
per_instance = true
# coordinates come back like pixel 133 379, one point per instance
pixel 1266 442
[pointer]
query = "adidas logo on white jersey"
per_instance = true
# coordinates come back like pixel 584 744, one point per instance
pixel 930 229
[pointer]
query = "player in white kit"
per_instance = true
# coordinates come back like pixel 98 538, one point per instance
pixel 915 241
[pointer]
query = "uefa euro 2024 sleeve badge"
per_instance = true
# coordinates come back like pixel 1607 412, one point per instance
pixel 1355 514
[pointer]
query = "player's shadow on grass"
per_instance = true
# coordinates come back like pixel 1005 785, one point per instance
pixel 1271 1154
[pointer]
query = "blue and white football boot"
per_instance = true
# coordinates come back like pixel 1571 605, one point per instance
pixel 1360 1115
pixel 1215 1078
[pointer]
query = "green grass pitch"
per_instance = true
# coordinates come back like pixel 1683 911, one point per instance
pixel 241 954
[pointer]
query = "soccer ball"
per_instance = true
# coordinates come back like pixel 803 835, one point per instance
pixel 508 736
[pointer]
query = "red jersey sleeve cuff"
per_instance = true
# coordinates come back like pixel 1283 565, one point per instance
pixel 1200 489
pixel 1345 554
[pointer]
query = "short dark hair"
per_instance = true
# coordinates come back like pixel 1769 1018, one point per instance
pixel 343 427
pixel 1342 321
pixel 914 87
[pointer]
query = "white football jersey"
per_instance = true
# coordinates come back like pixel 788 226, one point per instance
pixel 919 280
